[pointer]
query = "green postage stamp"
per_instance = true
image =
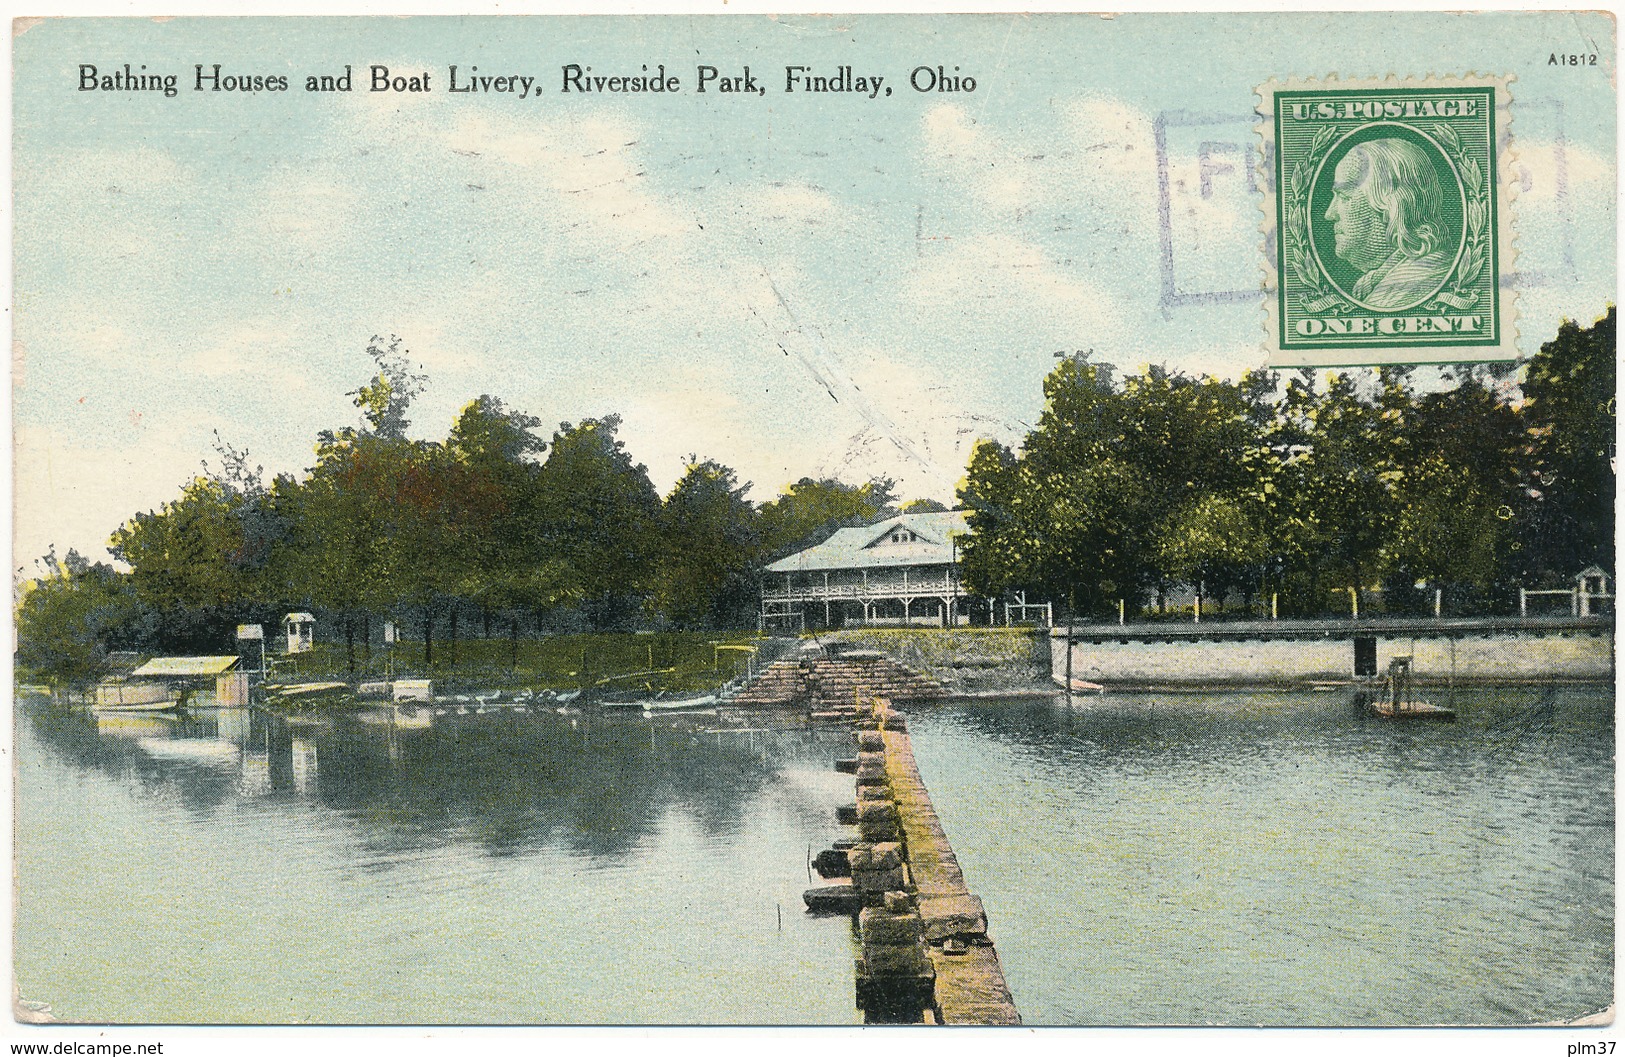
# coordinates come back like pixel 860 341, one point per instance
pixel 1389 224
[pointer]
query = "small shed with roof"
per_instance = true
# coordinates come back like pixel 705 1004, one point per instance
pixel 223 675
pixel 300 628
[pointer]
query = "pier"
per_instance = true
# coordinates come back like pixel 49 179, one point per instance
pixel 926 956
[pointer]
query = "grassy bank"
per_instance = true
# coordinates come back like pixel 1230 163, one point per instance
pixel 611 663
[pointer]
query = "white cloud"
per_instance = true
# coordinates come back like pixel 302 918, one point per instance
pixel 1000 173
pixel 1545 169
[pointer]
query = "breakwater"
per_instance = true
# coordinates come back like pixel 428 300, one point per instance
pixel 926 953
pixel 1298 653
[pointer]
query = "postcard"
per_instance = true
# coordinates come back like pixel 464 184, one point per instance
pixel 1047 519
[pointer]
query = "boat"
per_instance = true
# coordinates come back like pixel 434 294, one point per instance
pixel 673 704
pixel 287 690
pixel 1395 697
pixel 135 697
pixel 1079 686
pixel 686 704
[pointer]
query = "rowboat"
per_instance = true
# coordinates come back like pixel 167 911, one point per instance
pixel 676 704
pixel 1079 686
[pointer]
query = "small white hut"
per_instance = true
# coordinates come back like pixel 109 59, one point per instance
pixel 300 628
pixel 1590 589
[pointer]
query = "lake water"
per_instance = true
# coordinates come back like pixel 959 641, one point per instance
pixel 229 867
pixel 1279 859
pixel 1269 858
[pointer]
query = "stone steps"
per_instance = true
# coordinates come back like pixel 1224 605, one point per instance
pixel 834 685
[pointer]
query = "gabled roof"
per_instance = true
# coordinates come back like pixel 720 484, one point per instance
pixel 868 548
pixel 181 666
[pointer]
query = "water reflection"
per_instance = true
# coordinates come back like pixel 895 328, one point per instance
pixel 472 868
pixel 507 781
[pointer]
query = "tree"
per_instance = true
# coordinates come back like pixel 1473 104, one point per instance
pixel 710 539
pixel 808 512
pixel 72 615
pixel 1459 488
pixel 1215 542
pixel 1569 411
pixel 200 559
pixel 1086 510
pixel 385 400
pixel 511 569
pixel 1340 453
pixel 599 516
pixel 362 536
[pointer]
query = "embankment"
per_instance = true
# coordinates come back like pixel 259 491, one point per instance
pixel 961 660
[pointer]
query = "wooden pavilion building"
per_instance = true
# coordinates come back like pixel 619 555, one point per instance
pixel 900 571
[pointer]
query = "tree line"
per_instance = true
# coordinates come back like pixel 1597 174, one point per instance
pixel 492 526
pixel 1469 479
pixel 1473 480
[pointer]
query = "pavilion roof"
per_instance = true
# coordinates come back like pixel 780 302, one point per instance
pixel 867 547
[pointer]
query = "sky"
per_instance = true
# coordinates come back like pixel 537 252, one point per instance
pixel 790 283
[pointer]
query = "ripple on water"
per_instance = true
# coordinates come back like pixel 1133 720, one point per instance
pixel 1282 859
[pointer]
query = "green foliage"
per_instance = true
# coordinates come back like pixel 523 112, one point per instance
pixel 600 516
pixel 70 617
pixel 1569 389
pixel 385 400
pixel 1303 485
pixel 1300 484
pixel 1108 496
pixel 809 511
pixel 709 539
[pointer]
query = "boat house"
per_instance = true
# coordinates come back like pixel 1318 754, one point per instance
pixel 900 571
pixel 198 675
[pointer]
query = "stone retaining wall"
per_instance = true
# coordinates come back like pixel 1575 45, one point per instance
pixel 962 660
pixel 1292 654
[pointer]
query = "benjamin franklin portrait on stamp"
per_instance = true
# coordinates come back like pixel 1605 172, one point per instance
pixel 1387 216
pixel 1390 229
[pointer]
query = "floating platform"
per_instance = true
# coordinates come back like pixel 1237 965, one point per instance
pixel 1395 697
pixel 1411 710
